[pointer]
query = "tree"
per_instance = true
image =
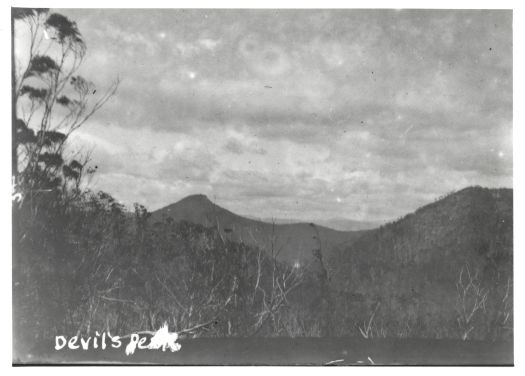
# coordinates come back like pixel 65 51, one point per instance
pixel 471 299
pixel 50 99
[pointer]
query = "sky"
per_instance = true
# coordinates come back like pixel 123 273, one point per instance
pixel 314 114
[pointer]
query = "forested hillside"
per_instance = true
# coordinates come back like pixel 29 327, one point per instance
pixel 441 271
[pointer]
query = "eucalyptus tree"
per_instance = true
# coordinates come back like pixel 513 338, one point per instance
pixel 50 99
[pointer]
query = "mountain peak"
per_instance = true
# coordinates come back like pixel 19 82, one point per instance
pixel 197 198
pixel 191 207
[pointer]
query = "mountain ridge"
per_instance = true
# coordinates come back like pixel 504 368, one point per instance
pixel 422 257
pixel 294 242
pixel 335 223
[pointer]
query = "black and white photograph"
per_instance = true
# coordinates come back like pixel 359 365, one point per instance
pixel 262 186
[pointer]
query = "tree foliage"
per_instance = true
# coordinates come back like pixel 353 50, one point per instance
pixel 51 99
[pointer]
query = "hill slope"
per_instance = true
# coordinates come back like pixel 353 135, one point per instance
pixel 412 267
pixel 293 242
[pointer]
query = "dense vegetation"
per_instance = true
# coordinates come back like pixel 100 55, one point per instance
pixel 90 266
pixel 443 271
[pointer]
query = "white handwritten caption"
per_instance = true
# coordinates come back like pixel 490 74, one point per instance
pixel 161 339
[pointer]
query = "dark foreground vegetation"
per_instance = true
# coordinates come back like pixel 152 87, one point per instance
pixel 83 263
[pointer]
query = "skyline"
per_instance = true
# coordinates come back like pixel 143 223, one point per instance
pixel 312 115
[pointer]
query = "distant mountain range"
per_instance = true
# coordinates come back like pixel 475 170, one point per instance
pixel 339 224
pixel 291 242
pixel 467 216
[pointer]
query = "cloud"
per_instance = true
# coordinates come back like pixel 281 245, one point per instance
pixel 285 112
pixel 239 147
pixel 234 146
pixel 208 43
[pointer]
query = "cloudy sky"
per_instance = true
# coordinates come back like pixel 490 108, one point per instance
pixel 300 114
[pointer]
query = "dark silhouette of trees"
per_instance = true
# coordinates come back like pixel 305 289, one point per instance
pixel 50 100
